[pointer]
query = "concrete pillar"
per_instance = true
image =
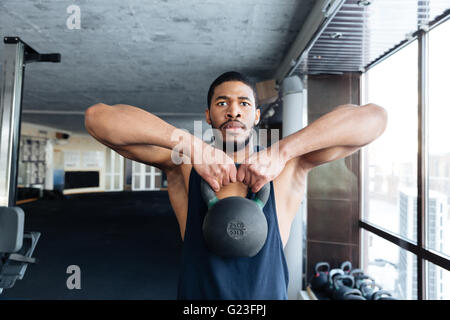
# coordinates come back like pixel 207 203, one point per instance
pixel 294 119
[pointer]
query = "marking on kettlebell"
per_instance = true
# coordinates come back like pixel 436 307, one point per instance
pixel 236 229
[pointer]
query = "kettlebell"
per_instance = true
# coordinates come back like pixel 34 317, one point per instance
pixel 320 277
pixel 235 226
pixel 329 288
pixel 343 288
pixel 346 266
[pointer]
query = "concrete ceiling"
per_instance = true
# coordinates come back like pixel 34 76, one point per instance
pixel 157 55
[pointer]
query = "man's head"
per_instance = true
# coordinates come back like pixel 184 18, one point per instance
pixel 232 108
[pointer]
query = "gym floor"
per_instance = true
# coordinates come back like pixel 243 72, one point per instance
pixel 127 245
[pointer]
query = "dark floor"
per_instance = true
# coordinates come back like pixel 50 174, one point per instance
pixel 127 245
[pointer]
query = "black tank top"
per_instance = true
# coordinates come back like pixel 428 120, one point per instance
pixel 204 275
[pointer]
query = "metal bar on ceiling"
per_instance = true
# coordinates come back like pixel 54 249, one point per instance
pixel 82 113
pixel 321 15
pixel 351 21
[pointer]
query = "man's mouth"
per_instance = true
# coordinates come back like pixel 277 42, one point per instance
pixel 233 126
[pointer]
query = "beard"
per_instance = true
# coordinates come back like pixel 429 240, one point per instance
pixel 235 145
pixel 230 146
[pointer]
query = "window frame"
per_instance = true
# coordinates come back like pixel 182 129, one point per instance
pixel 423 254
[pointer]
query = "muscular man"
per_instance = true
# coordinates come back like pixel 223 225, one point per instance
pixel 232 110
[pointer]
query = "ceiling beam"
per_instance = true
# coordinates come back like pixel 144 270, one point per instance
pixel 81 113
pixel 321 15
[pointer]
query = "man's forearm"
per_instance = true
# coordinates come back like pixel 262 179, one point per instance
pixel 121 125
pixel 347 125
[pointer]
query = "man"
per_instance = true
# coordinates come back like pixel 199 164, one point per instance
pixel 232 110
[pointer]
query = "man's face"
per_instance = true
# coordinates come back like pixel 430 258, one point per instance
pixel 233 112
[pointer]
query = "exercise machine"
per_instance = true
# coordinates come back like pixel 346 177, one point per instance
pixel 16 246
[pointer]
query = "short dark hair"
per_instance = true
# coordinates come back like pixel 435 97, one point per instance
pixel 232 76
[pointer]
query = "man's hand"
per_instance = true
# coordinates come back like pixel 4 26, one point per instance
pixel 260 168
pixel 216 167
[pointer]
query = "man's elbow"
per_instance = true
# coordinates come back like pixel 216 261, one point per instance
pixel 90 114
pixel 381 115
pixel 90 110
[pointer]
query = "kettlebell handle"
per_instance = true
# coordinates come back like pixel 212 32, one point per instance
pixel 322 265
pixel 210 196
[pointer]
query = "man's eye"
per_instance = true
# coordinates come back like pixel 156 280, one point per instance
pixel 246 103
pixel 222 103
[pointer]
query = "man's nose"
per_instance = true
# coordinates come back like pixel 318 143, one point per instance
pixel 233 111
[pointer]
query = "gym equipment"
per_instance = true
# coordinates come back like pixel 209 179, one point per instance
pixel 356 273
pixel 359 281
pixel 16 247
pixel 11 228
pixel 346 266
pixel 343 288
pixel 345 283
pixel 235 226
pixel 373 291
pixel 368 287
pixel 14 266
pixel 382 295
pixel 320 277
pixel 329 289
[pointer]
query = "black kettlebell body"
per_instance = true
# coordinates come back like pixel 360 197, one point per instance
pixel 320 277
pixel 235 226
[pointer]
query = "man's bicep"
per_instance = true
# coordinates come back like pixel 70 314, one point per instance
pixel 318 157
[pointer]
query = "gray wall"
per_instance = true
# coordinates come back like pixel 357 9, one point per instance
pixel 333 197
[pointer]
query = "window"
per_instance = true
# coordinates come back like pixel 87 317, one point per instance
pixel 438 283
pixel 113 171
pixel 32 161
pixel 439 146
pixel 145 177
pixel 412 156
pixel 390 162
pixel 392 267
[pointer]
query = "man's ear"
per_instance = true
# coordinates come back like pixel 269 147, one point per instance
pixel 257 116
pixel 208 118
